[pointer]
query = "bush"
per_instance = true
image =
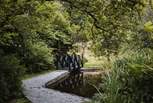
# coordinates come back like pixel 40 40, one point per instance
pixel 138 79
pixel 10 72
pixel 130 80
pixel 38 58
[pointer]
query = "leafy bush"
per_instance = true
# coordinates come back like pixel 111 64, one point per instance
pixel 138 80
pixel 130 80
pixel 10 72
pixel 38 58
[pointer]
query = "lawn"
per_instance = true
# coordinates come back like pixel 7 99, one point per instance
pixel 92 61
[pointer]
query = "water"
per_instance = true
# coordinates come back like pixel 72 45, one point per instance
pixel 86 90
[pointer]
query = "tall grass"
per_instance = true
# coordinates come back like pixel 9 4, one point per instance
pixel 130 80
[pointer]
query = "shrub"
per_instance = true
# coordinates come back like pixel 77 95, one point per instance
pixel 10 72
pixel 130 80
pixel 38 58
pixel 138 80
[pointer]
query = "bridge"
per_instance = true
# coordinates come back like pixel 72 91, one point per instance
pixel 73 63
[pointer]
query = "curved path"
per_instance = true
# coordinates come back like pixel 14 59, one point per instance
pixel 35 91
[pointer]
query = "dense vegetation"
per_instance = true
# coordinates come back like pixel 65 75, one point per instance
pixel 33 31
pixel 29 32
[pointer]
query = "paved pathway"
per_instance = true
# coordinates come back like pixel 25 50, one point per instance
pixel 34 90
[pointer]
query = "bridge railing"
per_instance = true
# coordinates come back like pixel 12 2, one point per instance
pixel 73 62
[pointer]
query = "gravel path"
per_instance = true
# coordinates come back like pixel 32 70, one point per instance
pixel 34 90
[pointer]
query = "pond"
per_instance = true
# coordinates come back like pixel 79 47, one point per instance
pixel 87 89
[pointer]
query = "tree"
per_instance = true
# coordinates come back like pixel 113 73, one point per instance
pixel 32 30
pixel 111 23
pixel 29 32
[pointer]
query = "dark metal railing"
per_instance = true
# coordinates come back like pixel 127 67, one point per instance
pixel 73 62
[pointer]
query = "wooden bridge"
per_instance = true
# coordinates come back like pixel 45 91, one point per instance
pixel 73 63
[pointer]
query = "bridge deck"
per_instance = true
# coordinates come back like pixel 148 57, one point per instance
pixel 35 91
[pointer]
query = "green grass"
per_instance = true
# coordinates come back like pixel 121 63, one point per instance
pixel 92 60
pixel 93 63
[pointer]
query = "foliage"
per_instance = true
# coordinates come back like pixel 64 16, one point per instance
pixel 130 80
pixel 148 26
pixel 22 100
pixel 30 31
pixel 110 24
pixel 39 57
pixel 108 30
pixel 10 73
